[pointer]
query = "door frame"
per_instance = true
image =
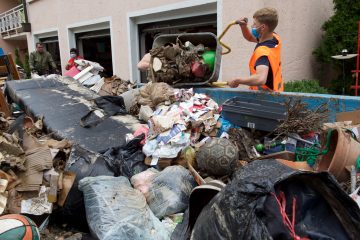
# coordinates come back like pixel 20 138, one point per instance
pixel 92 25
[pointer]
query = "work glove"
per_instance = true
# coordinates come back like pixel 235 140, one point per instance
pixel 242 21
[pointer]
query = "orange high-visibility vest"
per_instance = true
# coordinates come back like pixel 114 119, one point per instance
pixel 274 56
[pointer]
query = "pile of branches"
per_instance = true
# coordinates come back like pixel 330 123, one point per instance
pixel 302 120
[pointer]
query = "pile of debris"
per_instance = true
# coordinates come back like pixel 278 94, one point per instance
pixel 190 170
pixel 176 119
pixel 176 63
pixel 33 180
pixel 88 74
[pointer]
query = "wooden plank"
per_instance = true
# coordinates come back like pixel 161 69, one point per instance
pixel 13 69
pixel 353 116
pixel 3 105
pixel 3 70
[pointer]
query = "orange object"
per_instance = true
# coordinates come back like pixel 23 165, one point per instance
pixel 16 226
pixel 4 106
pixel 71 62
pixel 302 166
pixel 72 72
pixel 274 55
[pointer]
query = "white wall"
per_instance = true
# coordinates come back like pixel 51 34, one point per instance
pixel 299 27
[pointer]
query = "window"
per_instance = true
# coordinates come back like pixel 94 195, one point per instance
pixel 96 46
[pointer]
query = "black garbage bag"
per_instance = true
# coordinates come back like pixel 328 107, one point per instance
pixel 127 160
pixel 112 105
pixel 268 200
pixel 181 230
pixel 85 164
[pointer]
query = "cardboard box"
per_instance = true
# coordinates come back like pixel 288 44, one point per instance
pixel 349 116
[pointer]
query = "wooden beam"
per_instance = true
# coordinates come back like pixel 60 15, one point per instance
pixel 4 106
pixel 13 69
pixel 3 69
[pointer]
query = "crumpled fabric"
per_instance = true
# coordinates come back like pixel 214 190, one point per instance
pixel 154 94
pixel 115 86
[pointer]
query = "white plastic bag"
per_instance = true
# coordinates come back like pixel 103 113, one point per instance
pixel 143 180
pixel 115 210
pixel 170 190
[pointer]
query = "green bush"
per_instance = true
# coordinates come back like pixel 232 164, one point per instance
pixel 18 60
pixel 340 32
pixel 305 86
pixel 27 66
pixel 23 64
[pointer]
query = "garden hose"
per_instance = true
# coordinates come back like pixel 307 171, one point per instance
pixel 228 49
pixel 310 154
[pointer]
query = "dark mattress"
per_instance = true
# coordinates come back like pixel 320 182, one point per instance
pixel 62 106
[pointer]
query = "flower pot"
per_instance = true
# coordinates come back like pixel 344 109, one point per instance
pixel 343 152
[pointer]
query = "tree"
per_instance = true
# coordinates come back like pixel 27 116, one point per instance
pixel 340 32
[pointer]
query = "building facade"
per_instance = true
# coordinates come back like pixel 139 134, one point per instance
pixel 10 37
pixel 117 33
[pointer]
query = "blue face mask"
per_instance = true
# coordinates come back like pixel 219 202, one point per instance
pixel 255 33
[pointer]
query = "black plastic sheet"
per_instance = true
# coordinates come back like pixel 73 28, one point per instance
pixel 127 160
pixel 62 107
pixel 111 105
pixel 85 164
pixel 247 208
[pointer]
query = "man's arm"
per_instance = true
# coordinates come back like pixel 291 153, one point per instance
pixel 144 63
pixel 67 66
pixel 257 79
pixel 245 30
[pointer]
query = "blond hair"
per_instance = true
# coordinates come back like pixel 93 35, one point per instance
pixel 267 16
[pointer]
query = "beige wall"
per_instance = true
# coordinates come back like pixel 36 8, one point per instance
pixel 10 45
pixel 299 27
